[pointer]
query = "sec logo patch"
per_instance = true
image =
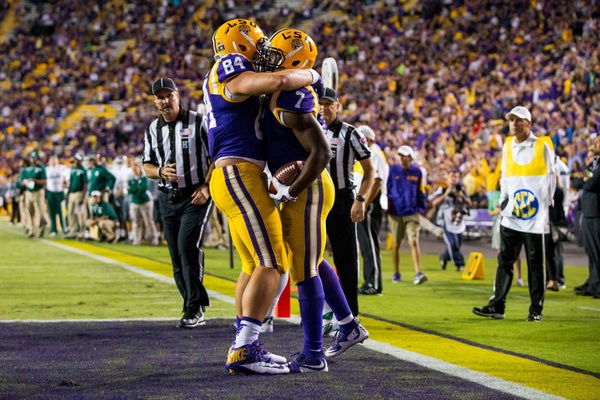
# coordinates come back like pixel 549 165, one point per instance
pixel 526 205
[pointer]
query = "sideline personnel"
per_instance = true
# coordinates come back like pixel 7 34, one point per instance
pixel 527 187
pixel 590 206
pixel 176 152
pixel 406 201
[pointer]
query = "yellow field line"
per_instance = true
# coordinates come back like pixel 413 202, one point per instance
pixel 540 376
pixel 530 373
pixel 220 285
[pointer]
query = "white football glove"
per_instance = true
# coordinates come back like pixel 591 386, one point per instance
pixel 283 192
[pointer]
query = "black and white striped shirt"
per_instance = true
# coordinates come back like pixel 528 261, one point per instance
pixel 347 145
pixel 183 142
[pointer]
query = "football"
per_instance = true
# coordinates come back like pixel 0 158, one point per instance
pixel 287 174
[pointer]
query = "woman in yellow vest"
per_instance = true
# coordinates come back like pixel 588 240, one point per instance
pixel 527 183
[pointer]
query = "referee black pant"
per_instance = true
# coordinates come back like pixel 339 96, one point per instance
pixel 511 242
pixel 183 225
pixel 368 240
pixel 341 232
pixel 591 240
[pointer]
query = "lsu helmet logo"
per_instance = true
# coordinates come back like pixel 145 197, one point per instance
pixel 526 205
pixel 244 28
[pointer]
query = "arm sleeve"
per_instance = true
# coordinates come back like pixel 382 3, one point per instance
pixel 302 101
pixel 389 185
pixel 110 211
pixel 149 155
pixel 144 185
pixel 593 184
pixel 110 179
pixel 503 192
pixel 232 65
pixel 550 164
pixel 359 144
pixel 421 196
pixel 134 187
pixel 379 165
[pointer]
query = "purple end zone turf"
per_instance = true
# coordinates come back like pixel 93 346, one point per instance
pixel 141 360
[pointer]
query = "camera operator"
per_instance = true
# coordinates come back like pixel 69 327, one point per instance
pixel 454 204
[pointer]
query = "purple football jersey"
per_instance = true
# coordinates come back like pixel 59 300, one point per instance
pixel 233 129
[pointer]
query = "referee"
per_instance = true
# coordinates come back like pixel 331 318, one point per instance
pixel 176 153
pixel 347 146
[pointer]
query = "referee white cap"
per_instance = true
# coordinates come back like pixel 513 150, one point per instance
pixel 366 131
pixel 520 112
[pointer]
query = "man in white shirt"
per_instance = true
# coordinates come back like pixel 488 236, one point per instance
pixel 122 169
pixel 368 229
pixel 527 187
pixel 55 184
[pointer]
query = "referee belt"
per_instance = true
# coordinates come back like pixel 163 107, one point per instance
pixel 176 194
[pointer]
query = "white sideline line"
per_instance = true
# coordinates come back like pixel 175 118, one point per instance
pixel 481 378
pixel 589 308
pixel 143 272
pixel 492 382
pixel 292 320
pixel 52 321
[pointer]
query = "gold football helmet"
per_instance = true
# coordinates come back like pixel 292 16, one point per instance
pixel 238 36
pixel 287 49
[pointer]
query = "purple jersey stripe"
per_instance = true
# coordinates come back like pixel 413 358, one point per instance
pixel 261 223
pixel 318 219
pixel 307 221
pixel 244 213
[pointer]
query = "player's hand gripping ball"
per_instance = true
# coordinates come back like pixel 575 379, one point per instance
pixel 283 178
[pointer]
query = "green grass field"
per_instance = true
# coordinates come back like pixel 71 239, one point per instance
pixel 40 281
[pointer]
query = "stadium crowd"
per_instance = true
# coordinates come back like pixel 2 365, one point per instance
pixel 437 76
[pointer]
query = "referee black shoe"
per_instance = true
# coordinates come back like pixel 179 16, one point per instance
pixel 192 319
pixel 488 311
pixel 534 317
pixel 369 291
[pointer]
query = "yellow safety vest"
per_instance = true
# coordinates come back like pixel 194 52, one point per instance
pixel 527 187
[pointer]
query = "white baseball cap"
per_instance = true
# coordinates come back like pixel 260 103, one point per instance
pixel 366 131
pixel 406 151
pixel 96 193
pixel 520 112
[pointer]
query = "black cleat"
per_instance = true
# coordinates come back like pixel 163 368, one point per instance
pixel 488 311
